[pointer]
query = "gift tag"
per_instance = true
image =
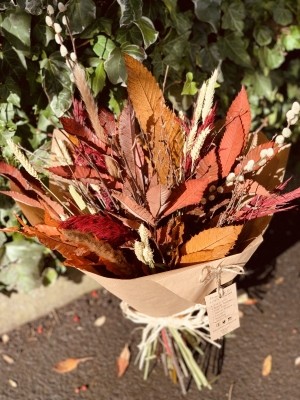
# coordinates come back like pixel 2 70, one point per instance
pixel 223 312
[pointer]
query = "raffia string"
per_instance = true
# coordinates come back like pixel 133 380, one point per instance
pixel 191 320
pixel 210 273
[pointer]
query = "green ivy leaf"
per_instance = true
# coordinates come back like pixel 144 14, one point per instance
pixel 16 27
pixel 291 38
pixel 131 11
pixel 147 30
pixel 189 87
pixel 34 7
pixel 208 11
pixel 115 66
pixel 81 14
pixel 270 58
pixel 134 51
pixel 210 57
pixel 259 84
pixel 234 15
pixel 182 21
pixel 20 265
pixel 262 35
pixel 282 15
pixel 233 47
pixel 56 83
pixel 98 80
pixel 103 46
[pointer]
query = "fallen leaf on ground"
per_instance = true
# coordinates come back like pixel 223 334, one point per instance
pixel 69 364
pixel 12 383
pixel 297 362
pixel 123 361
pixel 246 300
pixel 8 359
pixel 279 280
pixel 267 365
pixel 100 321
pixel 4 338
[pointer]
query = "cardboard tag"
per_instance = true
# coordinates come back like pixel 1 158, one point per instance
pixel 223 312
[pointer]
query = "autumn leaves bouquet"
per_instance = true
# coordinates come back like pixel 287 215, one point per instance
pixel 160 209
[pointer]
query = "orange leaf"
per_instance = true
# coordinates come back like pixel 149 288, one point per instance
pixel 186 194
pixel 123 361
pixel 210 244
pixel 155 119
pixel 267 366
pixel 69 364
pixel 238 121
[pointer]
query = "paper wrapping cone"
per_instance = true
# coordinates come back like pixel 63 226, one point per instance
pixel 167 293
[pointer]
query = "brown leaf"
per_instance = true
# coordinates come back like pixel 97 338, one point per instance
pixel 267 365
pixel 69 364
pixel 155 119
pixel 238 121
pixel 210 244
pixel 123 361
pixel 186 194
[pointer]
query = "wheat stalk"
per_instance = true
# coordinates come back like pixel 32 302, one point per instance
pixel 23 160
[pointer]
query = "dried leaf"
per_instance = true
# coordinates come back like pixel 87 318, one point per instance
pixel 100 321
pixel 22 198
pixel 157 197
pixel 12 383
pixel 15 175
pixel 208 167
pixel 123 361
pixel 254 154
pixel 8 359
pixel 133 208
pixel 267 366
pixel 4 338
pixel 69 364
pixel 210 244
pixel 238 121
pixel 186 194
pixel 155 119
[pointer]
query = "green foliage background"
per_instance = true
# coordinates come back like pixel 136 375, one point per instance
pixel 255 43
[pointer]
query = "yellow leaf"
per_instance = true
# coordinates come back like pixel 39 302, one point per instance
pixel 267 365
pixel 156 119
pixel 123 361
pixel 210 244
pixel 69 364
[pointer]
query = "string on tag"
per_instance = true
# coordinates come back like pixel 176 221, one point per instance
pixel 210 273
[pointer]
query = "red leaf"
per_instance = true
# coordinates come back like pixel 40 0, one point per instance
pixel 186 194
pixel 238 121
pixel 74 128
pixel 208 167
pixel 15 175
pixel 22 198
pixel 107 121
pixel 74 172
